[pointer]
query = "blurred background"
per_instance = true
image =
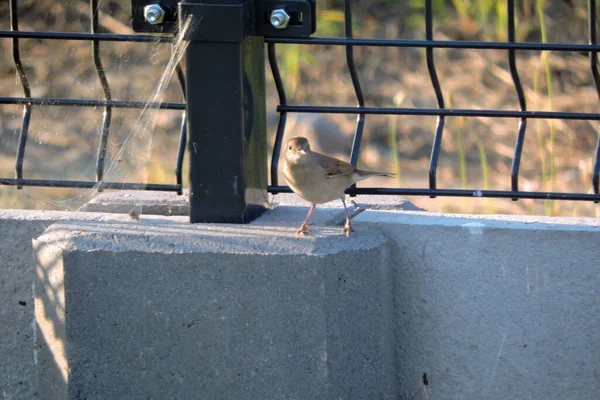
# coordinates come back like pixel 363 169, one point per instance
pixel 558 155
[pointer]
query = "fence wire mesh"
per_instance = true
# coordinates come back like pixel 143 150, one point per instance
pixel 512 46
pixel 108 103
pixel 429 44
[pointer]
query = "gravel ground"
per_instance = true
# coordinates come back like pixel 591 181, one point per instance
pixel 476 152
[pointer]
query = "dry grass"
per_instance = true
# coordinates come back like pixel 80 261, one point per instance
pixel 477 152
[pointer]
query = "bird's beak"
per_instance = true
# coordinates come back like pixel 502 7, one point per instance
pixel 302 151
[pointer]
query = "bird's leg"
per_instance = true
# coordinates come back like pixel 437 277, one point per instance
pixel 304 227
pixel 347 228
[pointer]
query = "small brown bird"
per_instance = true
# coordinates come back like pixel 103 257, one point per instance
pixel 318 178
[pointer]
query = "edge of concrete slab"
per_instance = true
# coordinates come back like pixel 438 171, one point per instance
pixel 164 236
pixel 477 222
pixel 143 202
pixel 169 203
pixel 309 320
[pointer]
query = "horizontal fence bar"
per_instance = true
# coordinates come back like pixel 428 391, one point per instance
pixel 506 194
pixel 443 44
pixel 449 112
pixel 316 109
pixel 107 37
pixel 90 184
pixel 38 101
pixel 454 44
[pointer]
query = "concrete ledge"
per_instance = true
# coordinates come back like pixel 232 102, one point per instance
pixel 142 202
pixel 161 309
pixel 385 217
pixel 489 307
pixel 17 323
pixel 169 203
pixel 495 307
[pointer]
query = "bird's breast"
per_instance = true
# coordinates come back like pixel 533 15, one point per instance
pixel 311 183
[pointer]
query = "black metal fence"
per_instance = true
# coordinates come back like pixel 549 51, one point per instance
pixel 108 103
pixel 228 177
pixel 441 112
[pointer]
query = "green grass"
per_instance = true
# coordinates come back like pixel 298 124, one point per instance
pixel 539 130
pixel 549 181
pixel 485 170
pixel 462 159
pixel 485 17
pixel 393 131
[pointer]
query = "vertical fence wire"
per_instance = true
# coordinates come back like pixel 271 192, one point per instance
pixel 516 163
pixel 183 132
pixel 28 102
pixel 594 67
pixel 14 26
pixel 106 120
pixel 437 140
pixel 360 120
pixel 282 114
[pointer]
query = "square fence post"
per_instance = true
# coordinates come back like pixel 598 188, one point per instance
pixel 226 112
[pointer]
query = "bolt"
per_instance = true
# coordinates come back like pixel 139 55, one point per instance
pixel 154 14
pixel 279 18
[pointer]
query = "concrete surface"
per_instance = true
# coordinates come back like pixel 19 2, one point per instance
pixel 413 306
pixel 140 202
pixel 18 375
pixel 494 307
pixel 167 310
pixel 169 203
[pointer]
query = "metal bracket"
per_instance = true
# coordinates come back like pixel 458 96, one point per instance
pixel 214 21
pixel 228 21
pixel 303 18
pixel 141 25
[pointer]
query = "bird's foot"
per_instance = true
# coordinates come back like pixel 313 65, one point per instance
pixel 347 229
pixel 303 230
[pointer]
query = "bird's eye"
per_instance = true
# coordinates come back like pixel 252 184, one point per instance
pixel 289 147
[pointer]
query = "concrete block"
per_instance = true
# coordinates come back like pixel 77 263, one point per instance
pixel 169 203
pixel 18 375
pixel 494 307
pixel 162 309
pixel 489 307
pixel 18 351
pixel 17 325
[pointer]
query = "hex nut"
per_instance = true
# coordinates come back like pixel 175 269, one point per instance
pixel 154 14
pixel 279 18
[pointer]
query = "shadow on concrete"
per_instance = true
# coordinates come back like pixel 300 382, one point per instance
pixel 50 316
pixel 214 311
pixel 17 374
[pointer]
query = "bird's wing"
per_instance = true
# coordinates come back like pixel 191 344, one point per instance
pixel 332 166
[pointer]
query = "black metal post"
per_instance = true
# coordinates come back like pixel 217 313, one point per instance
pixel 226 112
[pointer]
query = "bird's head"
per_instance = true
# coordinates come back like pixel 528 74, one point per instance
pixel 297 150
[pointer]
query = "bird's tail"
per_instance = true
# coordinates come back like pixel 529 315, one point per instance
pixel 367 174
